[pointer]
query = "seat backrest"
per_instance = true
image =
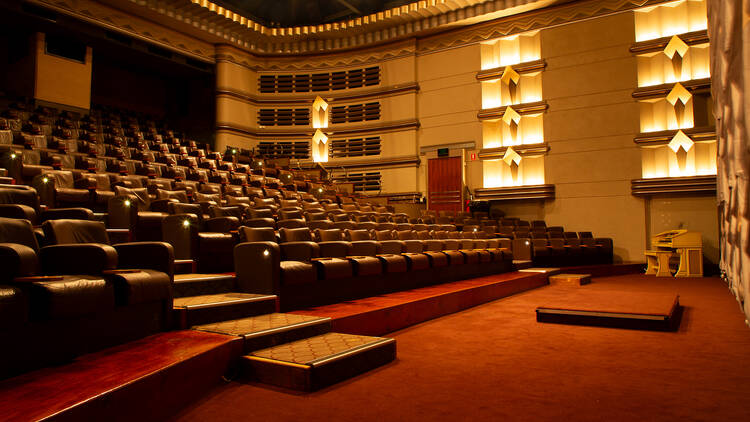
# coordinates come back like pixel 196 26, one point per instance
pixel 290 215
pixel 423 235
pixel 19 231
pixel 329 235
pixel 20 195
pixel 61 232
pixel 139 195
pixel 257 234
pixel 301 234
pixel 355 235
pixel 406 235
pixel 384 235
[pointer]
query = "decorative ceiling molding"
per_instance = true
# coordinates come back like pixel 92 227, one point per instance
pixel 115 20
pixel 378 163
pixel 192 27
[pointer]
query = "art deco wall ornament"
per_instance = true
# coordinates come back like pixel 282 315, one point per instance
pixel 319 113
pixel 510 78
pixel 512 118
pixel 681 144
pixel 676 50
pixel 513 160
pixel 679 97
pixel 320 147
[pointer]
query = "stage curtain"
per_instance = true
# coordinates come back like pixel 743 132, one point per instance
pixel 729 32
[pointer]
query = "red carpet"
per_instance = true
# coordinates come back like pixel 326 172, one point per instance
pixel 495 362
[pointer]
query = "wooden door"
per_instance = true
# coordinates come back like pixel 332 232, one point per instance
pixel 444 184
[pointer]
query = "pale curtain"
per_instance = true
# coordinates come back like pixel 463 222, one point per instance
pixel 729 32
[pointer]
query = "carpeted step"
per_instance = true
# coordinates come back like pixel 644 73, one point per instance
pixel 316 362
pixel 269 330
pixel 205 309
pixel 203 284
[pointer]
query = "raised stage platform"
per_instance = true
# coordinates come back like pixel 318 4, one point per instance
pixel 657 312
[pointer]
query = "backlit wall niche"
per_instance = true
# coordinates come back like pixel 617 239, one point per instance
pixel 512 109
pixel 677 131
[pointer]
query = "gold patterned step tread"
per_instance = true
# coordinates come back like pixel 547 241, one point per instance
pixel 312 363
pixel 269 330
pixel 313 350
pixel 218 299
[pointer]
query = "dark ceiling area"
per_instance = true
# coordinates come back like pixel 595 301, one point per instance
pixel 285 13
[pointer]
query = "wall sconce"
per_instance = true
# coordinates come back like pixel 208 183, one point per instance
pixel 512 118
pixel 679 97
pixel 320 147
pixel 510 78
pixel 676 50
pixel 681 144
pixel 512 159
pixel 319 113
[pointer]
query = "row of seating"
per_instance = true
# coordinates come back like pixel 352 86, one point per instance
pixel 307 268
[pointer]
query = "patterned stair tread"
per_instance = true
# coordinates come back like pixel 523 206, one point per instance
pixel 320 349
pixel 261 324
pixel 219 299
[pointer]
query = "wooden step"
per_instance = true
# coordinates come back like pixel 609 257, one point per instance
pixel 205 309
pixel 269 330
pixel 316 362
pixel 193 284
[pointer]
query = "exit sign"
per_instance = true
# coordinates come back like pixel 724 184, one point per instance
pixel 473 156
pixel 442 152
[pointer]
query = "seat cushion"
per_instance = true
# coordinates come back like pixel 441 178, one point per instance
pixel 297 272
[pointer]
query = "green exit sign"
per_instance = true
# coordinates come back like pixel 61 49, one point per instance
pixel 442 152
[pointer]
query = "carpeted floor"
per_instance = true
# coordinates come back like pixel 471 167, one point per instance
pixel 496 362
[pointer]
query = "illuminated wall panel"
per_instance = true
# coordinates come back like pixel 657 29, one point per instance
pixel 511 89
pixel 669 19
pixel 674 64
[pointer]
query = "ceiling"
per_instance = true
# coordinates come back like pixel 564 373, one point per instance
pixel 288 13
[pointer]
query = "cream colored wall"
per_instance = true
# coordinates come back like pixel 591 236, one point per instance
pixel 62 81
pixel 696 213
pixel 448 102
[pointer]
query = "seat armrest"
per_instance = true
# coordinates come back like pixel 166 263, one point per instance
pixel 257 267
pixel 87 183
pixel 158 256
pixel 67 213
pixel 80 258
pixel 299 251
pixel 17 261
pixel 222 224
pixel 18 211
